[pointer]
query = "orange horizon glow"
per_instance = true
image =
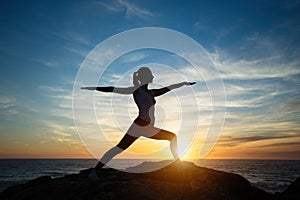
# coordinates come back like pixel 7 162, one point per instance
pixel 251 150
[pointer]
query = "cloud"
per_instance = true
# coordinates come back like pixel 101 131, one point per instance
pixel 292 105
pixel 8 107
pixel 57 124
pixel 266 67
pixel 82 52
pixel 133 57
pixel 60 98
pixel 59 132
pixel 252 97
pixel 72 36
pixel 47 63
pixel 53 89
pixel 282 144
pixel 73 42
pixel 6 102
pixel 131 10
pixel 254 138
pixel 200 25
pixel 231 141
pixel 260 78
pixel 257 69
pixel 111 6
pixel 258 55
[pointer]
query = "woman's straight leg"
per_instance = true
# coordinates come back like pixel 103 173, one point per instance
pixel 167 135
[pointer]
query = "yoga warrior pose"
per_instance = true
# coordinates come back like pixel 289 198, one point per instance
pixel 143 125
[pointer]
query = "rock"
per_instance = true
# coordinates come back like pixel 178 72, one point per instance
pixel 180 180
pixel 292 192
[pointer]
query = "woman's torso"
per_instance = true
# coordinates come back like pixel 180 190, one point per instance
pixel 145 103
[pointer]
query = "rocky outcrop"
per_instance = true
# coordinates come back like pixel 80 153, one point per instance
pixel 291 193
pixel 180 180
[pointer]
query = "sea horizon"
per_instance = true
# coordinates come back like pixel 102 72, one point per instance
pixel 70 158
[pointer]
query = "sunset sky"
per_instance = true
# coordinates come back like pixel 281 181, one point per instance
pixel 255 45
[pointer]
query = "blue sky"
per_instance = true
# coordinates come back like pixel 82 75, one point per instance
pixel 255 44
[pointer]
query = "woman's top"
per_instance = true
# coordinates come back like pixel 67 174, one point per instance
pixel 145 103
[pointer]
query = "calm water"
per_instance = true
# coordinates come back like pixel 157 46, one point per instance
pixel 269 175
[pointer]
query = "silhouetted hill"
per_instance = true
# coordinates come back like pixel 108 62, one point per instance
pixel 181 180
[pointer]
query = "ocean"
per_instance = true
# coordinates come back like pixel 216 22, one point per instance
pixel 270 175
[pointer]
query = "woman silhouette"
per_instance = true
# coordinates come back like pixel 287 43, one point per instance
pixel 143 125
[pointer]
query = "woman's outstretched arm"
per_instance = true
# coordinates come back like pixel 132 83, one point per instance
pixel 127 90
pixel 161 91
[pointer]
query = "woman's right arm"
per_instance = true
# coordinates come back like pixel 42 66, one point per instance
pixel 161 91
pixel 128 90
pixel 101 89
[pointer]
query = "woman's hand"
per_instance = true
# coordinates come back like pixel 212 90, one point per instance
pixel 88 88
pixel 189 83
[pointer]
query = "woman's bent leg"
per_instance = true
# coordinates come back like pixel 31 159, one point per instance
pixel 108 156
pixel 125 142
pixel 167 135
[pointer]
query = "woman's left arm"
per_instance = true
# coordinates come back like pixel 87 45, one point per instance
pixel 161 91
pixel 127 90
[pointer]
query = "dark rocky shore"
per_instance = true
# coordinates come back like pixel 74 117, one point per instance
pixel 181 180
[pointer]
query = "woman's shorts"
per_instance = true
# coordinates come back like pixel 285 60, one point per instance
pixel 142 128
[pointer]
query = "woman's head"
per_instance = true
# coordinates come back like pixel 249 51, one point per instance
pixel 142 76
